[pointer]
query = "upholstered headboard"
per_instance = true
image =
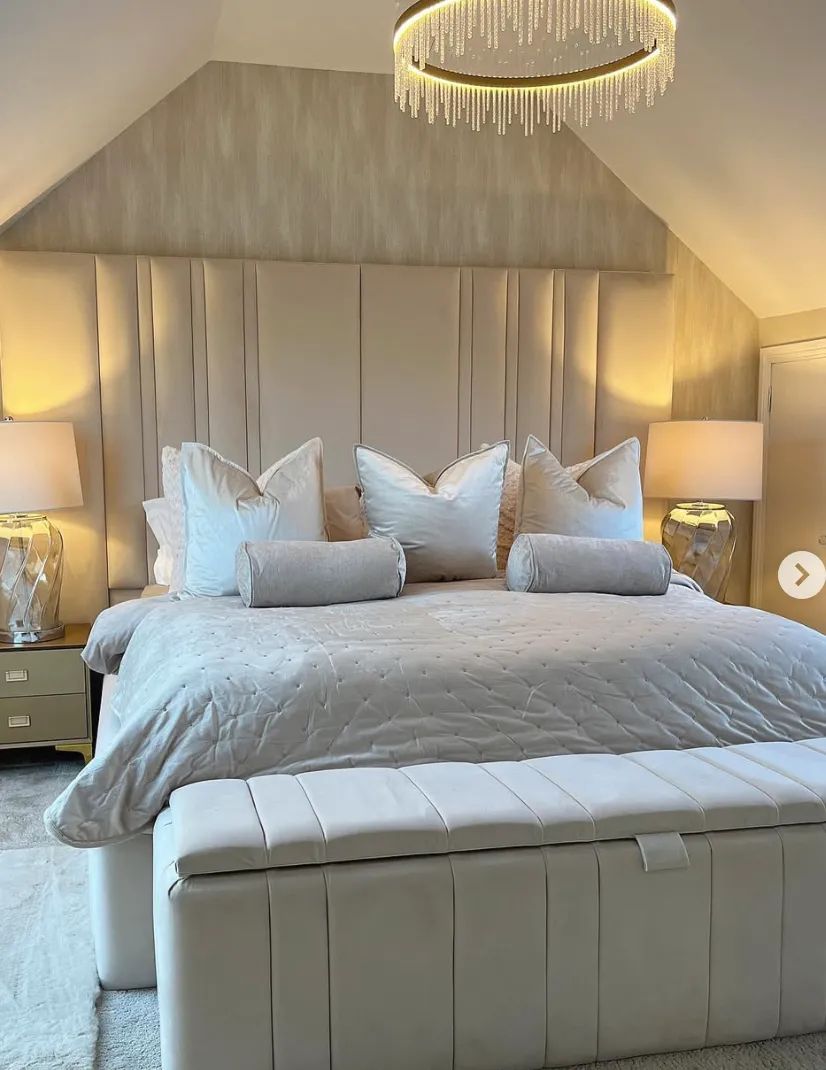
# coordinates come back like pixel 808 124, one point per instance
pixel 254 357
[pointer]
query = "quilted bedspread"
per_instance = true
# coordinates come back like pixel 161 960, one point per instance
pixel 448 672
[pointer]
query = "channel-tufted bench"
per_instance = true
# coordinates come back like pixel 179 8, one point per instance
pixel 524 914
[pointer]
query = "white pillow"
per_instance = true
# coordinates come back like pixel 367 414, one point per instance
pixel 448 529
pixel 599 499
pixel 171 482
pixel 224 506
pixel 159 519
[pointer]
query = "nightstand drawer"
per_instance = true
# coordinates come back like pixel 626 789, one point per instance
pixel 41 672
pixel 33 720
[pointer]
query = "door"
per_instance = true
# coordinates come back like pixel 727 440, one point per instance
pixel 794 505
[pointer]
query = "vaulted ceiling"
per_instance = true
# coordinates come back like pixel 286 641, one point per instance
pixel 733 158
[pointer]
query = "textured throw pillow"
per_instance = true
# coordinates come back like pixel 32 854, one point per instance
pixel 159 519
pixel 345 514
pixel 447 529
pixel 564 564
pixel 319 573
pixel 600 499
pixel 224 506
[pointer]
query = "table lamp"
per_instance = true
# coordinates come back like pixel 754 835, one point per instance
pixel 702 463
pixel 38 473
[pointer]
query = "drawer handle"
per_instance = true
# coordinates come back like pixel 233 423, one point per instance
pixel 21 720
pixel 16 676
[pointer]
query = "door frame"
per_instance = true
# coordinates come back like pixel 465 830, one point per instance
pixel 769 356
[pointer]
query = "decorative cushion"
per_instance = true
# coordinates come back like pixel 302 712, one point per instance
pixel 319 573
pixel 224 506
pixel 160 521
pixel 600 498
pixel 507 511
pixel 171 482
pixel 448 529
pixel 565 564
pixel 345 514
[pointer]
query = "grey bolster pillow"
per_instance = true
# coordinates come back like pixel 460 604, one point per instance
pixel 274 574
pixel 565 564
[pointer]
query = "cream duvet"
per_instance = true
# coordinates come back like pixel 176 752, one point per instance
pixel 447 672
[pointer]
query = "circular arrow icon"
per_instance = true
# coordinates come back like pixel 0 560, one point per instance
pixel 802 574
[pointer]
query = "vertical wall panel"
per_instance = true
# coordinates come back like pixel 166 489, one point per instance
pixel 635 364
pixel 557 365
pixel 251 367
pixel 48 323
pixel 536 305
pixel 579 387
pixel 490 329
pixel 465 359
pixel 226 372
pixel 512 360
pixel 410 363
pixel 308 359
pixel 149 418
pixel 174 370
pixel 120 391
pixel 199 352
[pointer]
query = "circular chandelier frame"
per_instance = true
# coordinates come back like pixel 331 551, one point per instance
pixel 445 26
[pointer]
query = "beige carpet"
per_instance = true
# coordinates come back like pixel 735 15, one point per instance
pixel 127 1022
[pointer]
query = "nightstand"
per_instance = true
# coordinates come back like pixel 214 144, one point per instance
pixel 45 698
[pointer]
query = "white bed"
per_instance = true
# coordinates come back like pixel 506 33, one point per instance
pixel 448 672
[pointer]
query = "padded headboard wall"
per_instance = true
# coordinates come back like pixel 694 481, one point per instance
pixel 254 357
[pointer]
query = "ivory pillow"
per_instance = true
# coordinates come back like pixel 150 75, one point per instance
pixel 600 499
pixel 159 519
pixel 171 481
pixel 447 529
pixel 224 506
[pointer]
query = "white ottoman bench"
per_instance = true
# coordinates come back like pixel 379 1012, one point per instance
pixel 509 915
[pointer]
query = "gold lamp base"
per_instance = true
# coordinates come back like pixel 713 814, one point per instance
pixel 31 570
pixel 700 537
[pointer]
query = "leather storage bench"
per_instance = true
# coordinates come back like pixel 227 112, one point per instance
pixel 526 914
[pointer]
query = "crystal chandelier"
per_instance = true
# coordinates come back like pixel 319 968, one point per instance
pixel 532 61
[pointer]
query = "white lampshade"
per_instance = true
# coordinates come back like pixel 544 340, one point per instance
pixel 705 460
pixel 38 467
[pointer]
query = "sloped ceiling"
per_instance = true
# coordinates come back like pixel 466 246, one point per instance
pixel 75 73
pixel 733 158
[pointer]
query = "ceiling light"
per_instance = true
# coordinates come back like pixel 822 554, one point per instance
pixel 532 61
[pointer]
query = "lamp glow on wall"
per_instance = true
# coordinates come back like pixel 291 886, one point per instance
pixel 38 474
pixel 703 463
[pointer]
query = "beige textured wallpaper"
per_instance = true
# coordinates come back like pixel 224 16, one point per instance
pixel 293 164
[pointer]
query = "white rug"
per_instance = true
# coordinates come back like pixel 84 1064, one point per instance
pixel 48 983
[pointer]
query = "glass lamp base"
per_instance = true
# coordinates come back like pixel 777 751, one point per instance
pixel 700 537
pixel 31 571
